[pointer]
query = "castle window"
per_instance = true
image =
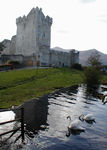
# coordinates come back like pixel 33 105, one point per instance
pixel 63 65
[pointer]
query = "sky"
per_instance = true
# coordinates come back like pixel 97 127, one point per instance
pixel 77 24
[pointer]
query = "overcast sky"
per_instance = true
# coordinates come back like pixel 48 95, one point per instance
pixel 77 24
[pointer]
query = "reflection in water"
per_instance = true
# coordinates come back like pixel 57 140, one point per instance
pixel 6 116
pixel 47 124
pixel 51 113
pixel 92 91
pixel 90 121
pixel 73 132
pixel 35 115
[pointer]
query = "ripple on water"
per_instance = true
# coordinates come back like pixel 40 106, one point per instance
pixel 47 120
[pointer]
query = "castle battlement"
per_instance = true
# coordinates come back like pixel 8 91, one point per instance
pixel 31 45
pixel 25 18
pixel 49 20
pixel 36 12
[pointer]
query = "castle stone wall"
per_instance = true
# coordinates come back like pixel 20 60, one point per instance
pixel 74 56
pixel 61 59
pixel 26 35
pixel 10 46
pixel 33 32
pixel 31 45
pixel 58 58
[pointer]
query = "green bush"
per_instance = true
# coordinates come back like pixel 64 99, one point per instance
pixel 92 76
pixel 77 66
pixel 14 62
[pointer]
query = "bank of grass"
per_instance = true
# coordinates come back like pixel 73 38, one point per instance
pixel 18 86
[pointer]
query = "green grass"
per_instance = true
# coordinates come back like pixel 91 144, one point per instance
pixel 18 86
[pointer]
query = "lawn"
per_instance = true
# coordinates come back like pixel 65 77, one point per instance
pixel 18 86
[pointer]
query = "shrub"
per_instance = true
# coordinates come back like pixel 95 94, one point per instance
pixel 76 66
pixel 94 59
pixel 14 62
pixel 92 76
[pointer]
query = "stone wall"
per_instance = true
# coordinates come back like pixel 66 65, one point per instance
pixel 44 55
pixel 5 58
pixel 26 35
pixel 6 43
pixel 46 58
pixel 31 45
pixel 10 46
pixel 74 56
pixel 33 32
pixel 59 59
pixel 24 60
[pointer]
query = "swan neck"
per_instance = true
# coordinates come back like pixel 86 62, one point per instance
pixel 81 117
pixel 69 118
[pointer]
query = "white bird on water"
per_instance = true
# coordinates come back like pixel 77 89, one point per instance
pixel 105 99
pixel 88 117
pixel 75 125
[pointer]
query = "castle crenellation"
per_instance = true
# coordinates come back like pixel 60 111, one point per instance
pixel 33 13
pixel 32 42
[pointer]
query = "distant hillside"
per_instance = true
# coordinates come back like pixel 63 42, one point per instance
pixel 84 55
pixel 60 49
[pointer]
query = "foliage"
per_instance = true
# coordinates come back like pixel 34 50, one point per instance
pixel 77 66
pixel 94 60
pixel 104 79
pixel 14 62
pixel 92 76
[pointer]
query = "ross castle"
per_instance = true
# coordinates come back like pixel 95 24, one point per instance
pixel 31 44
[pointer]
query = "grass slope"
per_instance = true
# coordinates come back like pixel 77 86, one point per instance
pixel 18 86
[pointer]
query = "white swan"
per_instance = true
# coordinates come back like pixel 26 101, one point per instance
pixel 105 99
pixel 88 117
pixel 75 125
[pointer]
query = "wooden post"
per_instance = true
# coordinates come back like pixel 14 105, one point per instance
pixel 22 124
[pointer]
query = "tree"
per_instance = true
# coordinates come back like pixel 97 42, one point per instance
pixel 92 74
pixel 94 59
pixel 77 66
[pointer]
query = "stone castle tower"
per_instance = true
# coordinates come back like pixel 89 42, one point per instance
pixel 33 35
pixel 31 44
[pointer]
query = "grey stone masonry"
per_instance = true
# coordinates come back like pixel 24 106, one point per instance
pixel 32 41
